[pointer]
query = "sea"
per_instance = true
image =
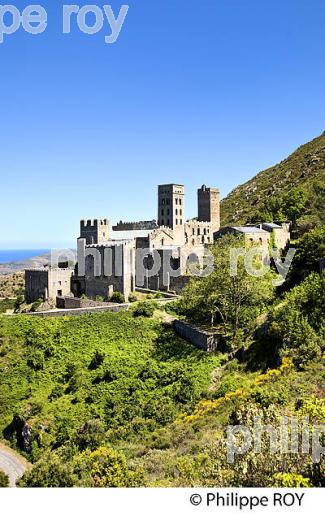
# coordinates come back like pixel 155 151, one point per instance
pixel 16 255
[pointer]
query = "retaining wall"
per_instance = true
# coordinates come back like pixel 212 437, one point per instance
pixel 199 338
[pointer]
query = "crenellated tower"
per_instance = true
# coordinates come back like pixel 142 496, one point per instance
pixel 95 231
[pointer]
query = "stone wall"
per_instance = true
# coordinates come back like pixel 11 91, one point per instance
pixel 59 283
pixel 36 284
pixel 108 268
pixel 78 312
pixel 47 283
pixel 68 302
pixel 199 338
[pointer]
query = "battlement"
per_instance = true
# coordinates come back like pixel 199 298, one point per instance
pixel 94 231
pixel 86 223
pixel 135 226
pixel 208 191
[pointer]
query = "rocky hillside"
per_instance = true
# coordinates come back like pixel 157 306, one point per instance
pixel 12 285
pixel 298 180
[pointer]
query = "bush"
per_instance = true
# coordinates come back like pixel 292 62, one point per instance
pixel 36 360
pixel 35 306
pixel 117 297
pixel 49 472
pixel 145 309
pixel 133 297
pixel 4 480
pixel 90 435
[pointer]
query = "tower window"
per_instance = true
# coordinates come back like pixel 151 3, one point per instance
pixel 181 222
pixel 180 212
pixel 176 221
pixel 176 211
pixel 162 211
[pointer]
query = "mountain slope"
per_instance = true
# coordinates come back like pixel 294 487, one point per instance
pixel 259 198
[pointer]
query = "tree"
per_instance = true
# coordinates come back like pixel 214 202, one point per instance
pixel 310 249
pixel 233 301
pixel 299 322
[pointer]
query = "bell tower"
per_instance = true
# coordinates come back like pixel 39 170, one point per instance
pixel 209 206
pixel 171 206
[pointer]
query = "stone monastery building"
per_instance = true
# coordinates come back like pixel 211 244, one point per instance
pixel 153 254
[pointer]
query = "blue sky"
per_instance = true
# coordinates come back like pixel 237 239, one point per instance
pixel 192 92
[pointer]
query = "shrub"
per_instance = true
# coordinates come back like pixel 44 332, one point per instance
pixel 117 297
pixel 4 480
pixel 35 306
pixel 36 360
pixel 133 297
pixel 90 435
pixel 145 309
pixel 49 472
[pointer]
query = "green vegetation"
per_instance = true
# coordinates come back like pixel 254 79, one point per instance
pixel 145 308
pixel 114 400
pixel 7 305
pixel 293 190
pixel 231 302
pixel 4 480
pixel 117 297
pixel 92 382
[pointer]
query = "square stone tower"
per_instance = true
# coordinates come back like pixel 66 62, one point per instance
pixel 171 206
pixel 209 206
pixel 94 231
